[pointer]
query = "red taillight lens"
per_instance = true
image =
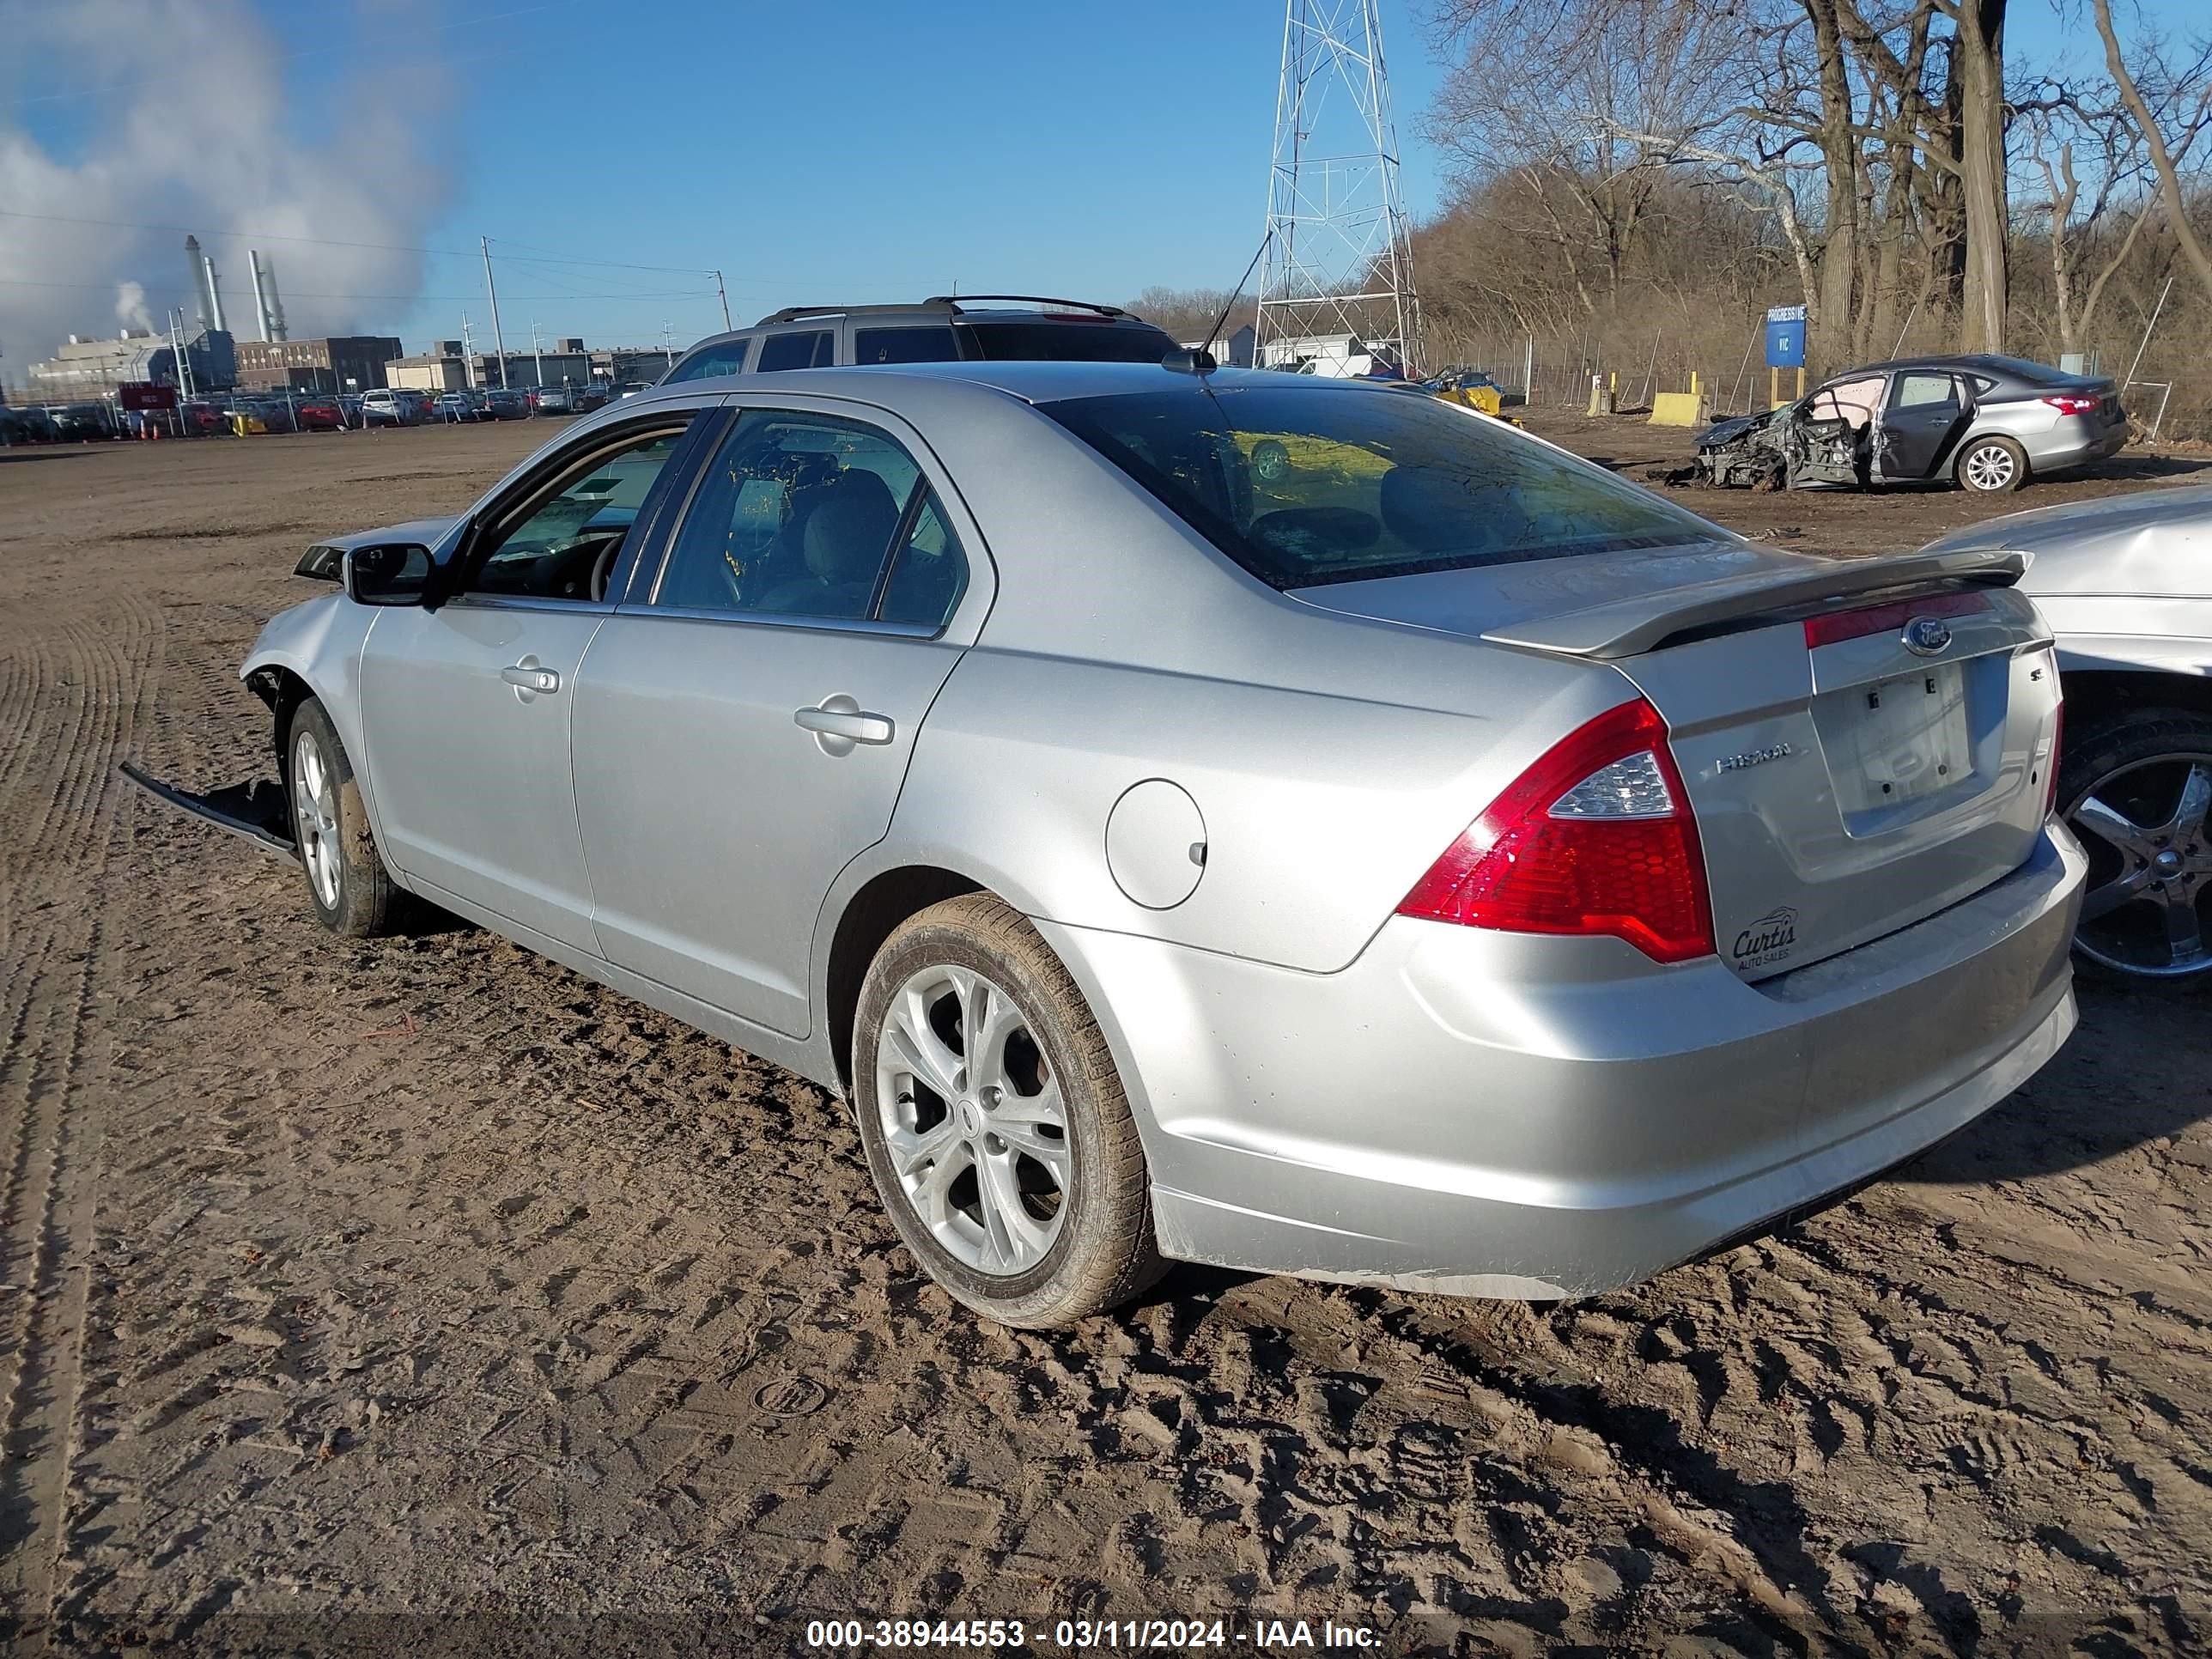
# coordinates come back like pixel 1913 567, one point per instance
pixel 2066 405
pixel 1596 838
pixel 1840 625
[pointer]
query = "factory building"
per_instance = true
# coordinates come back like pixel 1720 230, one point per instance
pixel 447 367
pixel 84 368
pixel 337 362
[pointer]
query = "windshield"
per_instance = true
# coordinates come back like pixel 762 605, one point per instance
pixel 1305 482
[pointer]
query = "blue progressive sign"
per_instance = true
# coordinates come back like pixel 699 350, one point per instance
pixel 1785 337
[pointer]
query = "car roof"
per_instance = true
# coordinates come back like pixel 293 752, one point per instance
pixel 1031 382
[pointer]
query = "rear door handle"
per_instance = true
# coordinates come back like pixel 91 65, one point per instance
pixel 848 722
pixel 531 677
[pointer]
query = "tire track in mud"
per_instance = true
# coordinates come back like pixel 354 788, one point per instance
pixel 68 702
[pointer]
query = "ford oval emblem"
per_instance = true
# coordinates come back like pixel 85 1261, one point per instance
pixel 1926 635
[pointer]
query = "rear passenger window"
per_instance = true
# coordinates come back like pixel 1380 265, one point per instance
pixel 924 345
pixel 728 358
pixel 796 351
pixel 929 573
pixel 794 517
pixel 1924 391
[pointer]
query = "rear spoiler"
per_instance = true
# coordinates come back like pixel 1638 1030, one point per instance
pixel 1628 627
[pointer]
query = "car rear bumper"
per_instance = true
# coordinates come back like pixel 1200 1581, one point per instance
pixel 1488 1115
pixel 2059 448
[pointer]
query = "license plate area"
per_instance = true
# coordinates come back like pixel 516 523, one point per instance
pixel 1897 743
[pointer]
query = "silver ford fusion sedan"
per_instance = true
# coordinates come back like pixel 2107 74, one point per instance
pixel 1426 860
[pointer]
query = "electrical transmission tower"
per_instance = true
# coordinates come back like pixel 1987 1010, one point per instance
pixel 1339 258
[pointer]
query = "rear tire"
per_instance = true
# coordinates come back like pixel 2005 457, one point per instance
pixel 352 893
pixel 2121 785
pixel 1991 466
pixel 1007 1156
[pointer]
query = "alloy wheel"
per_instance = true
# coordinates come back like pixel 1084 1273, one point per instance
pixel 2150 867
pixel 315 806
pixel 1990 467
pixel 974 1121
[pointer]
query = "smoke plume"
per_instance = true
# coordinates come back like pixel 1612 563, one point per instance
pixel 125 123
pixel 130 305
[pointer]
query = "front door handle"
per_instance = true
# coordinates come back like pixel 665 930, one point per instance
pixel 839 723
pixel 529 676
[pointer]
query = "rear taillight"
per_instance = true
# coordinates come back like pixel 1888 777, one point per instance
pixel 1596 838
pixel 1837 626
pixel 2069 405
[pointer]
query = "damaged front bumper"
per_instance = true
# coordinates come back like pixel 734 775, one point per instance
pixel 256 811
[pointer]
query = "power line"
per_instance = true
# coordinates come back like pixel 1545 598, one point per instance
pixel 704 291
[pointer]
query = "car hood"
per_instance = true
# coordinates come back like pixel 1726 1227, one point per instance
pixel 2155 543
pixel 1727 431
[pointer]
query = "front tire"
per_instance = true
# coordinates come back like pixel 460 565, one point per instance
pixel 2135 789
pixel 352 892
pixel 994 1123
pixel 1991 466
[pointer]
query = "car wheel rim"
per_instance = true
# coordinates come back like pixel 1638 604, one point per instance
pixel 2150 867
pixel 315 805
pixel 974 1122
pixel 1989 468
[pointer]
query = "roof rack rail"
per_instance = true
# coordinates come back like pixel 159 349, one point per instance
pixel 793 313
pixel 957 301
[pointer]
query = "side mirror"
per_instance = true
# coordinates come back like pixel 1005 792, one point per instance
pixel 388 573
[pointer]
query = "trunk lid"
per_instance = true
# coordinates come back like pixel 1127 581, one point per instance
pixel 1863 743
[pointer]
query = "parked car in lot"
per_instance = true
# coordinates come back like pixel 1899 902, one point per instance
pixel 254 417
pixel 82 422
pixel 1988 423
pixel 1466 871
pixel 391 406
pixel 500 403
pixel 989 328
pixel 27 424
pixel 316 413
pixel 450 407
pixel 202 419
pixel 596 395
pixel 2125 584
pixel 553 400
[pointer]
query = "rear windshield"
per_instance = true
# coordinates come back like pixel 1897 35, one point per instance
pixel 1310 482
pixel 1033 340
pixel 2034 374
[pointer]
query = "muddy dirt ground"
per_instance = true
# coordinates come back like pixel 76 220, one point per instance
pixel 420 1295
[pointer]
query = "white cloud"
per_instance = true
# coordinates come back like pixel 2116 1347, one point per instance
pixel 178 112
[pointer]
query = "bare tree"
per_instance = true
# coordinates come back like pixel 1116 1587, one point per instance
pixel 2185 111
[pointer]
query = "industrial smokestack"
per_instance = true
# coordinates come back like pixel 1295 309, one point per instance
pixel 203 284
pixel 264 291
pixel 214 293
pixel 267 286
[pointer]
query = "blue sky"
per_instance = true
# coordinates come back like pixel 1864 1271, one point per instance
pixel 867 149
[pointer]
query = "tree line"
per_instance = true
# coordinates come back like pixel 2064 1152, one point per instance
pixel 1631 167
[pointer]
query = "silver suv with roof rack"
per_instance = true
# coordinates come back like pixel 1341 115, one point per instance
pixel 973 328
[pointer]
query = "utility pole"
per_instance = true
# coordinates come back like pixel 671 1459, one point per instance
pixel 498 340
pixel 722 294
pixel 667 351
pixel 468 354
pixel 537 354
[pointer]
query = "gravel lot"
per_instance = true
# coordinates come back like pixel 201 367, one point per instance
pixel 421 1294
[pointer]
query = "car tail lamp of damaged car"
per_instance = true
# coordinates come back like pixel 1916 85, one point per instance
pixel 2074 405
pixel 1594 838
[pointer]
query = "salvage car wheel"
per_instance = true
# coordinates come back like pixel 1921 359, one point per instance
pixel 994 1123
pixel 2135 790
pixel 1270 459
pixel 347 882
pixel 1992 466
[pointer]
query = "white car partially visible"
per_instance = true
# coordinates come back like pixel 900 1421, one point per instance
pixel 2125 584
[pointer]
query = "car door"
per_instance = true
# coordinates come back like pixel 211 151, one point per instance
pixel 1926 412
pixel 743 723
pixel 466 703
